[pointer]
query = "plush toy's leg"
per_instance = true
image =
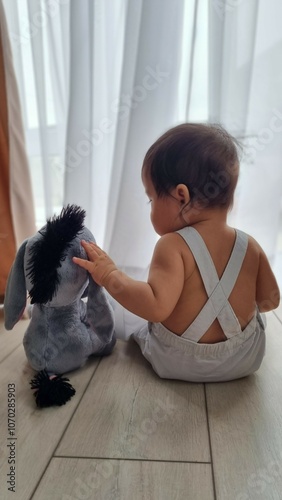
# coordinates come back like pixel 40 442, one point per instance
pixel 99 315
pixel 51 390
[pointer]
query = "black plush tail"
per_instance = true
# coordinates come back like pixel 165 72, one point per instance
pixel 51 390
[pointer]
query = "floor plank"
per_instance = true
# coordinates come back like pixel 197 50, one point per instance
pixel 38 431
pixel 74 479
pixel 245 419
pixel 129 412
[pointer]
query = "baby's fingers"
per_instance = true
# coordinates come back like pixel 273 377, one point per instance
pixel 91 249
pixel 82 263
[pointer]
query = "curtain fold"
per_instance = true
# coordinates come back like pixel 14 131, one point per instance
pixel 16 205
pixel 245 96
pixel 153 110
pixel 142 106
pixel 40 89
pixel 232 38
pixel 7 238
pixel 96 58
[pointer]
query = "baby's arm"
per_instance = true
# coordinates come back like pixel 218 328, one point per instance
pixel 154 300
pixel 267 291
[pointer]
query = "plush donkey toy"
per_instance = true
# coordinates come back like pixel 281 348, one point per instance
pixel 63 330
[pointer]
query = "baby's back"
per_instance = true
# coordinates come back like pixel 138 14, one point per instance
pixel 219 240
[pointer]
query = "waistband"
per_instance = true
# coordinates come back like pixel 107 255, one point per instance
pixel 169 338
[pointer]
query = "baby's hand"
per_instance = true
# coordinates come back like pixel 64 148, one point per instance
pixel 99 265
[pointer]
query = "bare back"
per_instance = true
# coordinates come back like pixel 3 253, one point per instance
pixel 220 242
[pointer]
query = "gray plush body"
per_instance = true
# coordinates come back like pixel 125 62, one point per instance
pixel 66 330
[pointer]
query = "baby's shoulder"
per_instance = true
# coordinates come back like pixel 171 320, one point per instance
pixel 253 246
pixel 169 241
pixel 174 246
pixel 172 243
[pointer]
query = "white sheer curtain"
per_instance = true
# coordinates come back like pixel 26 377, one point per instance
pixel 102 79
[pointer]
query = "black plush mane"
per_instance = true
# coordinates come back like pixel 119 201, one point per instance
pixel 47 254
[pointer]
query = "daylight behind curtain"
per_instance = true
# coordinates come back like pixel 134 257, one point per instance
pixel 245 77
pixel 39 34
pixel 106 78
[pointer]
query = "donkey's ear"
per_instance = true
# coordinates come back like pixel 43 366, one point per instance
pixel 15 293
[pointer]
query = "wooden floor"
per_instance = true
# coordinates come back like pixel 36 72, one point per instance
pixel 128 435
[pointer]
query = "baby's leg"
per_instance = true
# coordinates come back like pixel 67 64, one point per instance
pixel 126 323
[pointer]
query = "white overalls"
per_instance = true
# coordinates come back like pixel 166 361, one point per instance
pixel 182 357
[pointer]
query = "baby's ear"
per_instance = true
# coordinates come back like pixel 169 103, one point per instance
pixel 181 193
pixel 15 293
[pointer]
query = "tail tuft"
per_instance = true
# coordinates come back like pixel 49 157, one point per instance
pixel 51 390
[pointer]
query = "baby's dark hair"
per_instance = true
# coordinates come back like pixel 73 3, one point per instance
pixel 203 157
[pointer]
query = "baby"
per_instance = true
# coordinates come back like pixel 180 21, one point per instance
pixel 207 282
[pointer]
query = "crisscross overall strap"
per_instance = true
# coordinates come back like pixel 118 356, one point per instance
pixel 218 290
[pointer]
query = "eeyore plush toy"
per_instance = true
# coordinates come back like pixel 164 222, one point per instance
pixel 64 330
